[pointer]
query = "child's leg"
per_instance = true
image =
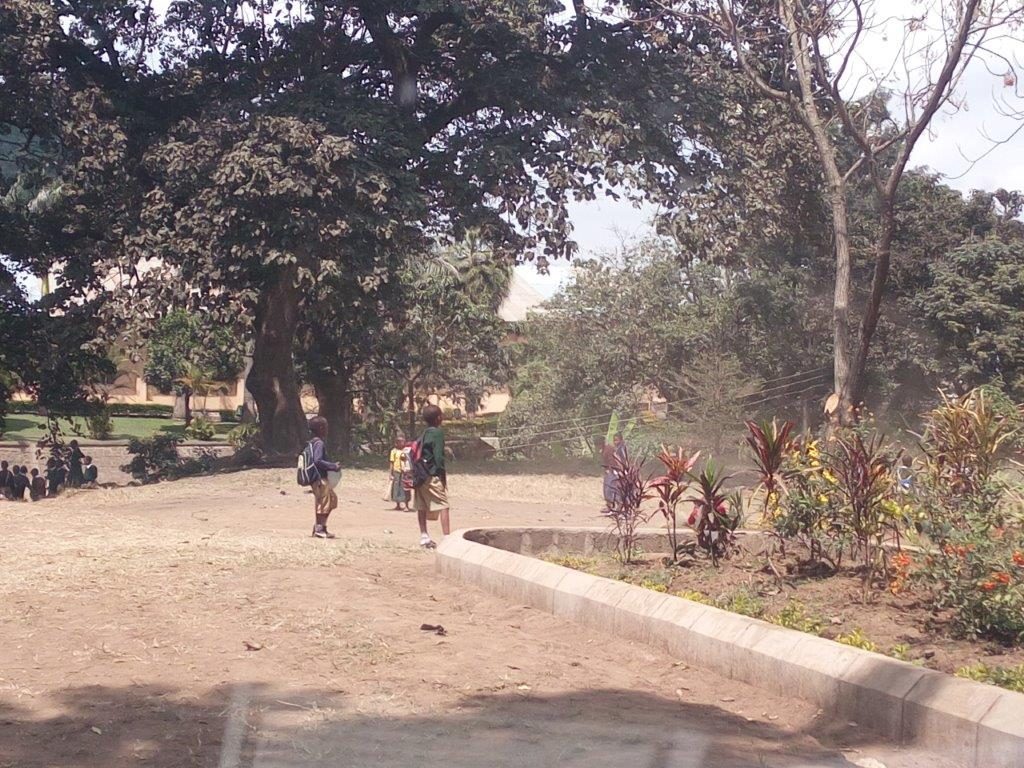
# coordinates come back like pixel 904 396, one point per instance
pixel 421 517
pixel 446 524
pixel 330 504
pixel 319 503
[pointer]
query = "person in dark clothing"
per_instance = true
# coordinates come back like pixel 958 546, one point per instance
pixel 6 477
pixel 431 498
pixel 20 484
pixel 91 473
pixel 55 477
pixel 37 489
pixel 325 500
pixel 75 474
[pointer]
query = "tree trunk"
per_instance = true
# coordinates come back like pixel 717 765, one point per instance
pixel 335 404
pixel 843 370
pixel 186 396
pixel 809 114
pixel 272 379
pixel 873 309
pixel 411 394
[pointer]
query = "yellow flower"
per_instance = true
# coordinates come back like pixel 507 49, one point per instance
pixel 830 477
pixel 822 498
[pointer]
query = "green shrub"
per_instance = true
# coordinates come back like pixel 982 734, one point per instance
pixel 200 429
pixel 200 464
pixel 99 425
pixel 1011 678
pixel 978 571
pixel 244 436
pixel 153 458
pixel 857 639
pixel 794 615
pixel 576 562
pixel 900 651
pixel 966 508
pixel 659 580
pixel 147 410
pixel 695 596
pixel 156 458
pixel 744 603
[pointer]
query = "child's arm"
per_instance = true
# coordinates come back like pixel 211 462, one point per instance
pixel 320 460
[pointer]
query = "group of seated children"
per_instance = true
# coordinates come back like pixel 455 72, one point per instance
pixel 17 483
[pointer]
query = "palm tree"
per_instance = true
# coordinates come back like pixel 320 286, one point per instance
pixel 199 382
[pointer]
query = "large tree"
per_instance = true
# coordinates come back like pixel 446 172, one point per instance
pixel 467 115
pixel 975 306
pixel 804 56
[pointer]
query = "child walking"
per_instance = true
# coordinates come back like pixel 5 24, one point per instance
pixel 398 460
pixel 431 495
pixel 325 500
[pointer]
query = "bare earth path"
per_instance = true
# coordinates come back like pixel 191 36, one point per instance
pixel 197 624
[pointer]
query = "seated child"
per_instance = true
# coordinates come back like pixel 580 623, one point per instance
pixel 6 478
pixel 20 484
pixel 91 473
pixel 37 490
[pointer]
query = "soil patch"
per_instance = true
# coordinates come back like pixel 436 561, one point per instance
pixel 197 623
pixel 904 625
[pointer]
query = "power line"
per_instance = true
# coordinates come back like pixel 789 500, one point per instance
pixel 579 437
pixel 583 421
pixel 594 421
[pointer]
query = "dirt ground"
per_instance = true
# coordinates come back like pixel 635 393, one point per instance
pixel 198 624
pixel 905 625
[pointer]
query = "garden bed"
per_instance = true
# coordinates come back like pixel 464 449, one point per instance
pixel 902 625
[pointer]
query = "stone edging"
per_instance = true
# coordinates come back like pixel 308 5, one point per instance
pixel 979 725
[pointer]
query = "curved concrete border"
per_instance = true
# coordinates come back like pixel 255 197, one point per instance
pixel 979 725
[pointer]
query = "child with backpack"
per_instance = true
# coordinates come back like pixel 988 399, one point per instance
pixel 313 469
pixel 430 480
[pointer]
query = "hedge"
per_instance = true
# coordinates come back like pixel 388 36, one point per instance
pixel 150 410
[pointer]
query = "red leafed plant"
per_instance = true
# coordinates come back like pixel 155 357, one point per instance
pixel 864 479
pixel 769 441
pixel 632 488
pixel 670 489
pixel 714 517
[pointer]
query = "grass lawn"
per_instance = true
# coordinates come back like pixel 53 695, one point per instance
pixel 23 427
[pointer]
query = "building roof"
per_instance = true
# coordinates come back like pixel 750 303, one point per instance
pixel 522 297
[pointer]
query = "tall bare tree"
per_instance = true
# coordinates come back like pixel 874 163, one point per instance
pixel 813 55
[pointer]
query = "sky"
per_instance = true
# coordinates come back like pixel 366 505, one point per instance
pixel 953 142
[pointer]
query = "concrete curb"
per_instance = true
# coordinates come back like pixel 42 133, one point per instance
pixel 978 725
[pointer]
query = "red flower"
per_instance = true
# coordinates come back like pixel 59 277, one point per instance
pixel 988 586
pixel 1018 559
pixel 1002 577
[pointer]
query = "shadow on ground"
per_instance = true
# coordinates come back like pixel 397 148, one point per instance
pixel 261 727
